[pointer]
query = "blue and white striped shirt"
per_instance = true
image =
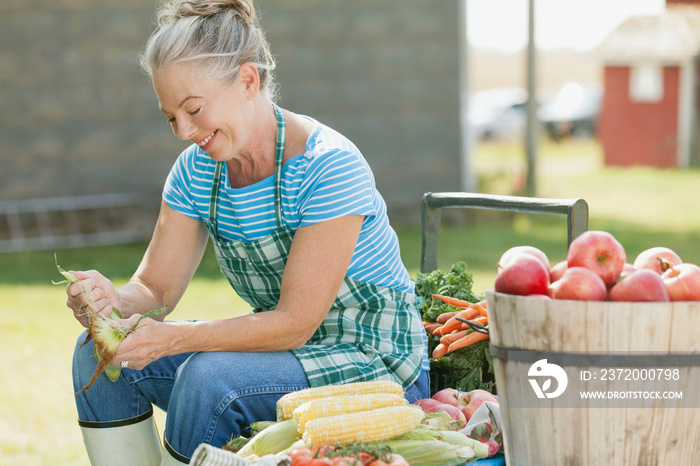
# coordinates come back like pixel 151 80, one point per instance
pixel 330 179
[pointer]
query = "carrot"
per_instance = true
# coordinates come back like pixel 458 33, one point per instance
pixel 445 316
pixel 454 324
pixel 451 337
pixel 481 309
pixel 465 341
pixel 431 327
pixel 479 320
pixel 452 301
pixel 439 351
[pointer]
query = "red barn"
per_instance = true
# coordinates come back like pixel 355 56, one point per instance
pixel 651 98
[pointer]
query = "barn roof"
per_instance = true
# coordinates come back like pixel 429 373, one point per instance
pixel 671 36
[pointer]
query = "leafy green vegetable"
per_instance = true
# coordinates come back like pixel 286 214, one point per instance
pixel 467 368
pixel 457 283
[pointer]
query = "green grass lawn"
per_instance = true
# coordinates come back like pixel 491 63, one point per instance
pixel 641 207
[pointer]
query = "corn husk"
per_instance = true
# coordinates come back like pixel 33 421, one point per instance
pixel 425 433
pixel 259 426
pixel 236 443
pixel 481 450
pixel 442 421
pixel 273 439
pixel 432 452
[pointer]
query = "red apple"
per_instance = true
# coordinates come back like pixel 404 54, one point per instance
pixel 539 296
pixel 453 411
pixel 473 399
pixel 579 284
pixel 524 275
pixel 683 282
pixel 426 403
pixel 558 270
pixel 640 285
pixel 448 396
pixel 628 269
pixel 658 259
pixel 600 252
pixel 511 253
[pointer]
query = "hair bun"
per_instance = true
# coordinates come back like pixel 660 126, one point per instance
pixel 172 10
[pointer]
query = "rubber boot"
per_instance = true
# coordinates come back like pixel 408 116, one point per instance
pixel 132 442
pixel 171 457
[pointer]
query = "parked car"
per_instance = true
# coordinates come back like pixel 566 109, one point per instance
pixel 498 113
pixel 573 111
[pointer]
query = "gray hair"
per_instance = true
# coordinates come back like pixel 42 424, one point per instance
pixel 221 34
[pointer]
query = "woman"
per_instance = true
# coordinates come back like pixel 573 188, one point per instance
pixel 299 231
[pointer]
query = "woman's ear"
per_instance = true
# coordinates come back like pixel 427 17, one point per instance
pixel 250 79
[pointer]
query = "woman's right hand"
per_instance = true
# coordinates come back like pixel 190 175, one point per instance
pixel 92 290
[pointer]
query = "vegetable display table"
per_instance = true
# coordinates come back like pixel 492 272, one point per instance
pixel 497 460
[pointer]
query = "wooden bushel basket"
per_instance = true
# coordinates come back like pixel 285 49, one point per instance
pixel 603 347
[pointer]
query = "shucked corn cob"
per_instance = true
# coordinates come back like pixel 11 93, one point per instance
pixel 291 401
pixel 334 405
pixel 375 425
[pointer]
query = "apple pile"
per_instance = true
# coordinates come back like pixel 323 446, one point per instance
pixel 596 269
pixel 460 406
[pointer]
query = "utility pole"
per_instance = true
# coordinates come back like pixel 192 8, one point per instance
pixel 532 126
pixel 468 177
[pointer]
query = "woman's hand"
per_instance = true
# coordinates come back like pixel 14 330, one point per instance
pixel 92 290
pixel 148 342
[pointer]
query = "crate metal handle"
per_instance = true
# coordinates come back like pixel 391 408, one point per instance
pixel 576 211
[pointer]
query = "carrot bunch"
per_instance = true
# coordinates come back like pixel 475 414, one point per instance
pixel 450 327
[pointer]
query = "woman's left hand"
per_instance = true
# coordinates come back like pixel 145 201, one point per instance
pixel 148 342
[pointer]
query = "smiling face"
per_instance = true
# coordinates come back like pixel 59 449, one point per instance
pixel 213 114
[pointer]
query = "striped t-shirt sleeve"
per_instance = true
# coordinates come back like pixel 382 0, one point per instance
pixel 336 183
pixel 177 192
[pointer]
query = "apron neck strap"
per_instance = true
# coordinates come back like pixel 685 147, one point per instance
pixel 279 160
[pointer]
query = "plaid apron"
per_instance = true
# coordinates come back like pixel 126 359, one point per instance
pixel 371 332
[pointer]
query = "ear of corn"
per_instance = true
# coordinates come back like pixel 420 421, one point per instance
pixel 425 433
pixel 291 401
pixel 442 421
pixel 334 405
pixel 272 439
pixel 481 450
pixel 106 336
pixel 375 425
pixel 432 452
pixel 112 372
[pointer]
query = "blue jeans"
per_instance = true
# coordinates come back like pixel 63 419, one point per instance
pixel 209 397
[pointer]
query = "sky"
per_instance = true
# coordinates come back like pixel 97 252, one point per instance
pixel 577 24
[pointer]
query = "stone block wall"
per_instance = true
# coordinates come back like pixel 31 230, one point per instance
pixel 79 117
pixel 385 74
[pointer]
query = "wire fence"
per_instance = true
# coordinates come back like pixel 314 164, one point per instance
pixel 77 221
